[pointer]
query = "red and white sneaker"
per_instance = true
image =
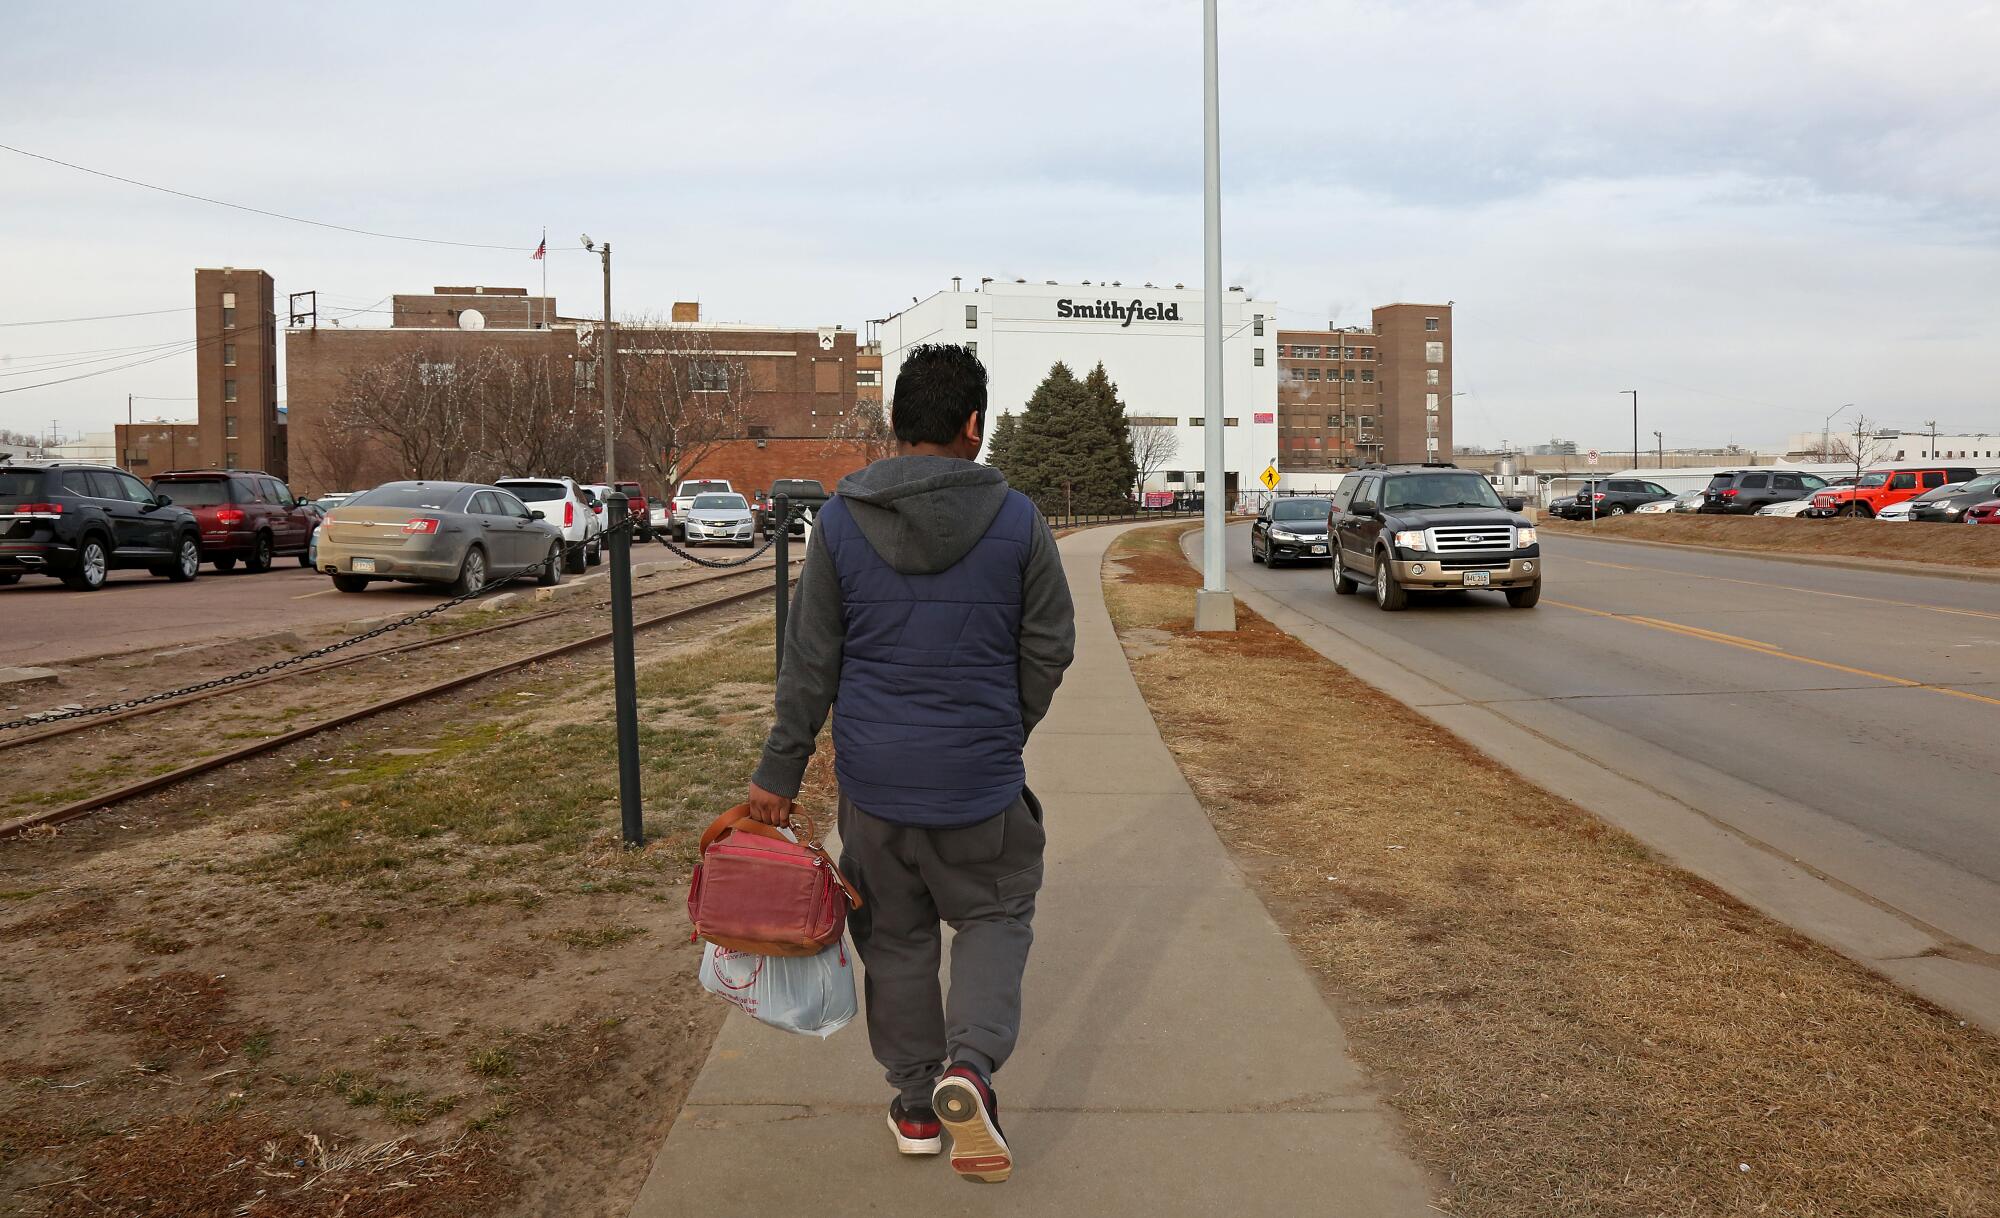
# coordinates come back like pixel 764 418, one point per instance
pixel 966 1105
pixel 916 1129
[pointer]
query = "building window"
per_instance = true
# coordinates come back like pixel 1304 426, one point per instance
pixel 868 376
pixel 1176 475
pixel 1368 374
pixel 1297 374
pixel 1431 402
pixel 228 318
pixel 709 376
pixel 1257 325
pixel 1350 352
pixel 229 355
pixel 972 317
pixel 229 461
pixel 1367 420
pixel 973 348
pixel 1257 357
pixel 1367 353
pixel 1431 324
pixel 229 391
pixel 1350 374
pixel 1431 376
pixel 1312 374
pixel 229 427
pixel 1430 424
pixel 1150 420
pixel 436 374
pixel 583 374
pixel 1434 352
pixel 1197 420
pixel 1229 420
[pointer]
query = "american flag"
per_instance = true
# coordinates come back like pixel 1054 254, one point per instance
pixel 541 251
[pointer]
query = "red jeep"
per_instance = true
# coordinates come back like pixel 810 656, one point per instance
pixel 1879 488
pixel 243 514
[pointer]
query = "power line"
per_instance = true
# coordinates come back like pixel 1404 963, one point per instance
pixel 193 346
pixel 58 321
pixel 275 215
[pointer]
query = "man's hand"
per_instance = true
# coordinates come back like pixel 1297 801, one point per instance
pixel 767 808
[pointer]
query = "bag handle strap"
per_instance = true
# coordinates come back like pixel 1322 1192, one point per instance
pixel 737 820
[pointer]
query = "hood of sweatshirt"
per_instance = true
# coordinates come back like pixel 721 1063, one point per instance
pixel 923 513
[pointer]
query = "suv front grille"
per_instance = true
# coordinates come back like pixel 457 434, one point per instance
pixel 1471 538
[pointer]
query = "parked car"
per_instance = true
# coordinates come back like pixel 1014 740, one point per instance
pixel 1983 513
pixel 1431 528
pixel 1879 488
pixel 245 516
pixel 458 534
pixel 802 496
pixel 1658 507
pixel 1740 492
pixel 1789 507
pixel 562 503
pixel 1291 529
pixel 79 521
pixel 636 505
pixel 1608 497
pixel 1935 508
pixel 1687 501
pixel 332 500
pixel 722 517
pixel 1901 512
pixel 684 498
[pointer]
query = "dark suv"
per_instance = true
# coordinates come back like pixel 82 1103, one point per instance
pixel 1740 492
pixel 1608 497
pixel 79 522
pixel 1431 528
pixel 245 515
pixel 802 495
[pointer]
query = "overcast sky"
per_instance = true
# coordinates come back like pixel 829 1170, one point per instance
pixel 1751 211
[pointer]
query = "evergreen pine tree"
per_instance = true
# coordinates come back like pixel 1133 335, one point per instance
pixel 1120 467
pixel 1072 447
pixel 1000 443
pixel 1039 454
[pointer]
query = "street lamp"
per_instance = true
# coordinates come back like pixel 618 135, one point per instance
pixel 1635 425
pixel 604 355
pixel 1826 432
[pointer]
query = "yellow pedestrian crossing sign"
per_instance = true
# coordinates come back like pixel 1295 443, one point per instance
pixel 1269 477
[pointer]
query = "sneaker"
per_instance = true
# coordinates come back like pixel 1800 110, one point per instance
pixel 966 1105
pixel 916 1129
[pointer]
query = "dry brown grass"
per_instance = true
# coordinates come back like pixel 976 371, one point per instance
pixel 1948 545
pixel 1570 1025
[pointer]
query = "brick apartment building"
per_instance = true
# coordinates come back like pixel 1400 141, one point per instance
pixel 237 424
pixel 796 388
pixel 1351 395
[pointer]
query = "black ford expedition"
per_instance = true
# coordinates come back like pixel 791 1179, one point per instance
pixel 79 521
pixel 1431 528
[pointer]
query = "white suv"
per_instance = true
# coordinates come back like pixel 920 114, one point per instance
pixel 564 504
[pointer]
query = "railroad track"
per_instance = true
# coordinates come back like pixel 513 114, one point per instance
pixel 158 782
pixel 70 726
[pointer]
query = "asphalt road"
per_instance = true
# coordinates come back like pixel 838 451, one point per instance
pixel 1846 720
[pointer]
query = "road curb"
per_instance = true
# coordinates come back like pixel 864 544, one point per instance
pixel 1890 566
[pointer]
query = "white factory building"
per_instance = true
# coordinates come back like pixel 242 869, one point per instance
pixel 1149 340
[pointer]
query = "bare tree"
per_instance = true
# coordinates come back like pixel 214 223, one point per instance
pixel 677 395
pixel 1153 446
pixel 336 452
pixel 865 429
pixel 1862 447
pixel 422 406
pixel 529 420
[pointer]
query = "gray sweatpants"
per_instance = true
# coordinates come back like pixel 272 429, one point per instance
pixel 981 879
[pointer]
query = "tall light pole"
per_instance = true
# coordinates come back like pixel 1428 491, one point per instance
pixel 1826 432
pixel 1660 447
pixel 1214 607
pixel 606 349
pixel 1635 426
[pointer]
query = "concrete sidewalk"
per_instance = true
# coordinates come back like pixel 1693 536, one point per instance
pixel 1175 1056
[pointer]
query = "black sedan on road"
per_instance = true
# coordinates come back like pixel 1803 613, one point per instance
pixel 1950 509
pixel 1291 530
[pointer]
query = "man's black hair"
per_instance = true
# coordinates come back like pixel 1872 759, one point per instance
pixel 939 384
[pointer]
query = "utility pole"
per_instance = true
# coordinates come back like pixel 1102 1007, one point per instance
pixel 605 354
pixel 1661 446
pixel 1635 427
pixel 1932 424
pixel 1214 607
pixel 125 453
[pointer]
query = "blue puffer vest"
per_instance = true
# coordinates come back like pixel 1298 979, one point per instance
pixel 927 722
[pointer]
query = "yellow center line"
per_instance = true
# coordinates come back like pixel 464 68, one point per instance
pixel 1756 583
pixel 1768 649
pixel 308 596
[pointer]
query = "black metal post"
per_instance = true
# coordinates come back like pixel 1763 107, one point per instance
pixel 781 516
pixel 624 675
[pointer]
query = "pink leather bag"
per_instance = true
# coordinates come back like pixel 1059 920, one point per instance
pixel 757 891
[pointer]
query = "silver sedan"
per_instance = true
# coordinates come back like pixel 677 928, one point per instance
pixel 720 517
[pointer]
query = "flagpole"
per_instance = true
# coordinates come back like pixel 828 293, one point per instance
pixel 545 276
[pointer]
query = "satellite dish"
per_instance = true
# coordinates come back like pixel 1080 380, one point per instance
pixel 471 319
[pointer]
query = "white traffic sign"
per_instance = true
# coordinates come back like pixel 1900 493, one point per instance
pixel 1593 456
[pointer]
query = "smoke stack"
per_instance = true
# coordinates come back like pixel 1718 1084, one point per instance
pixel 954 283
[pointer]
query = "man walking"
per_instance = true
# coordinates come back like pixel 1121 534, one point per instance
pixel 933 615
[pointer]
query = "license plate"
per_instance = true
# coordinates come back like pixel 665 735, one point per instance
pixel 1478 579
pixel 364 564
pixel 1319 549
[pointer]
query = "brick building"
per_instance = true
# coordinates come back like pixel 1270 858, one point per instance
pixel 1351 395
pixel 795 390
pixel 236 373
pixel 154 448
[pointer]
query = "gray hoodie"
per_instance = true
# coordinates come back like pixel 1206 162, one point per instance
pixel 922 514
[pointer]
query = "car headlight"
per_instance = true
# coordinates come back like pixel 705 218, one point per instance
pixel 1282 535
pixel 1952 511
pixel 1411 539
pixel 1524 537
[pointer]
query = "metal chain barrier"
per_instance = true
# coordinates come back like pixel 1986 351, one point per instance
pixel 770 539
pixel 41 720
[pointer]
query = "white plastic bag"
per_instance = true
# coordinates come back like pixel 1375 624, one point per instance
pixel 810 995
